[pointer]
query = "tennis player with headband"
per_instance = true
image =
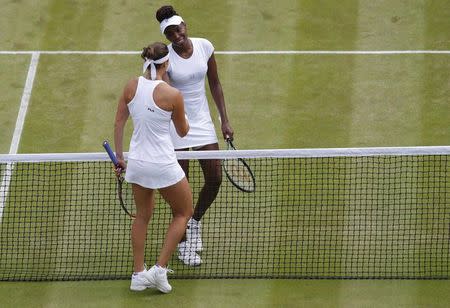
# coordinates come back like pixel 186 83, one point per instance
pixel 152 163
pixel 191 60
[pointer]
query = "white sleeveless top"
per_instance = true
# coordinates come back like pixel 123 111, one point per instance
pixel 151 140
pixel 188 76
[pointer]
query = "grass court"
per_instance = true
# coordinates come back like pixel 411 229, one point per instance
pixel 295 74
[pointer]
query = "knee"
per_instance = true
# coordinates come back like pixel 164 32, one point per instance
pixel 186 213
pixel 142 218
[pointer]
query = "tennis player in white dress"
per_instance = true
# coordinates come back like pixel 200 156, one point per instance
pixel 152 163
pixel 191 60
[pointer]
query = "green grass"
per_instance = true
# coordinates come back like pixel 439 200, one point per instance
pixel 282 101
pixel 12 77
pixel 309 218
pixel 231 293
pixel 78 100
pixel 383 101
pixel 296 101
pixel 232 25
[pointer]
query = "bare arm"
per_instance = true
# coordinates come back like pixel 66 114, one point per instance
pixel 178 116
pixel 170 99
pixel 217 94
pixel 122 115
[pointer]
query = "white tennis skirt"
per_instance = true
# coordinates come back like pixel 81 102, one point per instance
pixel 153 175
pixel 200 134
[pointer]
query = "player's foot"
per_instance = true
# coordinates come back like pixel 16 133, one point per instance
pixel 157 277
pixel 139 281
pixel 194 234
pixel 187 254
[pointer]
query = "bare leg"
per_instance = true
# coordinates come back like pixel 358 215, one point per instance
pixel 184 163
pixel 212 173
pixel 179 197
pixel 143 197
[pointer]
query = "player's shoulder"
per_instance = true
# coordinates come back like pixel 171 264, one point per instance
pixel 132 82
pixel 167 91
pixel 131 86
pixel 202 41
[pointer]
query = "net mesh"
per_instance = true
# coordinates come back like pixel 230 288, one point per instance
pixel 380 217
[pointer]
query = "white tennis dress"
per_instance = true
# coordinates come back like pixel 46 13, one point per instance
pixel 188 76
pixel 152 161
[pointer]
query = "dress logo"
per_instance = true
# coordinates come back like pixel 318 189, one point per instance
pixel 150 109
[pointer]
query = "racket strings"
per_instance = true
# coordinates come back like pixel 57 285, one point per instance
pixel 237 170
pixel 239 174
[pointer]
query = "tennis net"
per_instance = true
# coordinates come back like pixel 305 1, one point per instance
pixel 369 213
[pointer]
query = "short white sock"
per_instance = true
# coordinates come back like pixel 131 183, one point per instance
pixel 137 273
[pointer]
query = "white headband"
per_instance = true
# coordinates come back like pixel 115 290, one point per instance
pixel 152 65
pixel 175 20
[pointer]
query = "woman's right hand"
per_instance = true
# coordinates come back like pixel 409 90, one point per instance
pixel 122 166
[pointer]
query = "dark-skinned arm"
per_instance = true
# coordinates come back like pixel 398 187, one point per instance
pixel 217 94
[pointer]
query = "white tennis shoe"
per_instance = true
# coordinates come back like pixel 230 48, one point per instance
pixel 139 281
pixel 157 278
pixel 187 254
pixel 194 234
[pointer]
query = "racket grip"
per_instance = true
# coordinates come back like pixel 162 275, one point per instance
pixel 110 152
pixel 230 144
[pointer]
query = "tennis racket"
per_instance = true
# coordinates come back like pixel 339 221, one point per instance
pixel 121 190
pixel 238 172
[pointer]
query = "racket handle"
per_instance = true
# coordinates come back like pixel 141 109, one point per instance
pixel 230 144
pixel 111 154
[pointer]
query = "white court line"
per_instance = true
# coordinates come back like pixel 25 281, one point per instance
pixel 6 179
pixel 24 103
pixel 237 52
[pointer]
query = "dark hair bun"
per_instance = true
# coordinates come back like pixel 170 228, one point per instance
pixel 147 52
pixel 165 12
pixel 154 51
